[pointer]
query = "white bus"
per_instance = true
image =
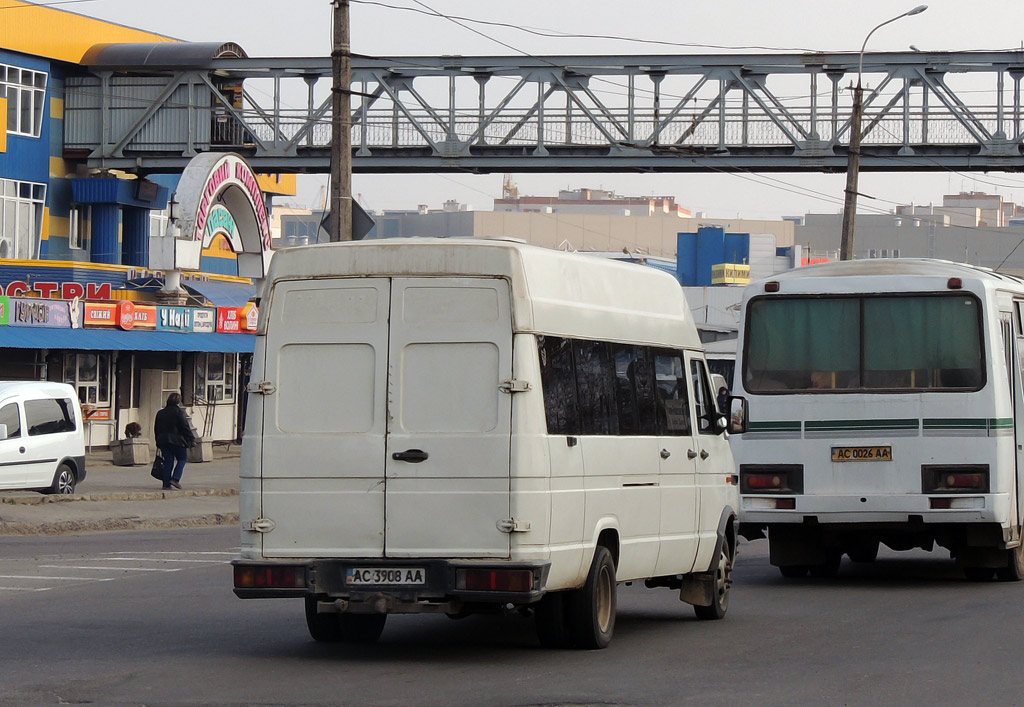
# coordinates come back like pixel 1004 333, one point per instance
pixel 885 406
pixel 454 427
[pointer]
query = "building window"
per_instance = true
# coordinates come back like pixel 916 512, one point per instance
pixel 215 377
pixel 21 218
pixel 158 220
pixel 81 227
pixel 25 91
pixel 89 373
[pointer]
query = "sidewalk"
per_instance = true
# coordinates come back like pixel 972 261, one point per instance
pixel 127 497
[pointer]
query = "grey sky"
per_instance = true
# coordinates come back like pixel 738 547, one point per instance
pixel 302 28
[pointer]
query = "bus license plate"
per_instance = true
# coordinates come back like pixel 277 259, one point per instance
pixel 862 454
pixel 406 576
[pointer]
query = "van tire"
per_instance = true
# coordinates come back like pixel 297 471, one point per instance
pixel 830 567
pixel 1014 570
pixel 322 627
pixel 591 609
pixel 63 480
pixel 793 571
pixel 722 573
pixel 551 622
pixel 361 628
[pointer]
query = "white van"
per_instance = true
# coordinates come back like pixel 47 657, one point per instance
pixel 42 442
pixel 441 425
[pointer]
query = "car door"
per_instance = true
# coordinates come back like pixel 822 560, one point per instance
pixel 714 459
pixel 14 455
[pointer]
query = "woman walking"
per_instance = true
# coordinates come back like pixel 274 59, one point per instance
pixel 174 438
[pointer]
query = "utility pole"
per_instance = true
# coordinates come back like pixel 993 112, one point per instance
pixel 341 126
pixel 852 172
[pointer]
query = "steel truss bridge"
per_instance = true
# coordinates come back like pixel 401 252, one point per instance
pixel 643 113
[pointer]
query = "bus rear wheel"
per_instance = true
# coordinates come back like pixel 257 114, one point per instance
pixel 1014 570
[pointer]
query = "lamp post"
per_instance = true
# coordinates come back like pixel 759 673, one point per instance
pixel 853 162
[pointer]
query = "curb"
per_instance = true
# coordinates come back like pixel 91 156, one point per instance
pixel 85 526
pixel 39 500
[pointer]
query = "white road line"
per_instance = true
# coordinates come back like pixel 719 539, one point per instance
pixel 110 569
pixel 65 579
pixel 26 588
pixel 171 552
pixel 164 559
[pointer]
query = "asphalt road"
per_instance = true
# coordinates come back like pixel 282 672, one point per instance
pixel 149 618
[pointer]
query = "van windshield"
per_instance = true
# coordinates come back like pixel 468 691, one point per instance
pixel 857 343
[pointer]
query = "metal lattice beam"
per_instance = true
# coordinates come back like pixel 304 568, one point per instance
pixel 923 111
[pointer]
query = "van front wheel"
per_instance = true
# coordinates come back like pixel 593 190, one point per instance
pixel 723 583
pixel 592 607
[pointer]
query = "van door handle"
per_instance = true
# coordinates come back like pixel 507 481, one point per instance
pixel 704 454
pixel 690 454
pixel 413 456
pixel 21 449
pixel 665 454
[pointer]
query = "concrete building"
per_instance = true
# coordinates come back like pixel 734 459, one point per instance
pixel 591 202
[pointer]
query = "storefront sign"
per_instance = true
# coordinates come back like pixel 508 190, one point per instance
pixel 40 313
pixel 237 320
pixel 144 316
pixel 63 290
pixel 123 315
pixel 5 310
pixel 204 321
pixel 174 318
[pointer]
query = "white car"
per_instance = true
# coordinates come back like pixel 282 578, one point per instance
pixel 42 440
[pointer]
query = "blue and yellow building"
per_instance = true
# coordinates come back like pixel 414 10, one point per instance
pixel 78 301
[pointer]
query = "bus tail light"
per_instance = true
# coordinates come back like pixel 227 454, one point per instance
pixel 954 478
pixel 492 580
pixel 771 478
pixel 270 577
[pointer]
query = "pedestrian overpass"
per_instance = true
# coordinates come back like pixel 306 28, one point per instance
pixel 924 111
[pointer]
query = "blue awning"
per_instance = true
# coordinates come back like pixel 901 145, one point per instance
pixel 222 294
pixel 102 340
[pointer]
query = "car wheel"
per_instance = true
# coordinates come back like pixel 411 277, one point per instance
pixel 1014 570
pixel 723 583
pixel 63 481
pixel 592 607
pixel 322 627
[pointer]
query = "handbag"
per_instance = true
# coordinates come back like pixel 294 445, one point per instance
pixel 157 472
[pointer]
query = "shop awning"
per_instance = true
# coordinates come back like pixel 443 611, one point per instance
pixel 103 340
pixel 222 294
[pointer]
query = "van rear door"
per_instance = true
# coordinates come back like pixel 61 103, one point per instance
pixel 447 461
pixel 324 418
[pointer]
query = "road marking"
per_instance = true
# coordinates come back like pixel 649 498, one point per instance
pixel 25 589
pixel 63 579
pixel 111 569
pixel 167 559
pixel 172 552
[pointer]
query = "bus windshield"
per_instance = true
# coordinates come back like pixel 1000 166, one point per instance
pixel 868 342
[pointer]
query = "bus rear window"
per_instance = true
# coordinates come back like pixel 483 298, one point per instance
pixel 877 342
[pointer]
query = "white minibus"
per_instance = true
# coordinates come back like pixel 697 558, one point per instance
pixel 884 406
pixel 455 426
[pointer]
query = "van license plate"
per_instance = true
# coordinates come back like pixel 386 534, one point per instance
pixel 385 576
pixel 862 454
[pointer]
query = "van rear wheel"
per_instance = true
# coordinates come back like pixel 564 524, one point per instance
pixel 63 481
pixel 343 628
pixel 592 607
pixel 1014 570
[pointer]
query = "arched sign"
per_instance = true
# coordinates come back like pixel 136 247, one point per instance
pixel 218 193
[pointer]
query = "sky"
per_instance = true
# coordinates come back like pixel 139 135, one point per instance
pixel 268 28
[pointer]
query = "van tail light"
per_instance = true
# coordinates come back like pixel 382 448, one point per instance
pixel 954 478
pixel 771 478
pixel 494 580
pixel 270 577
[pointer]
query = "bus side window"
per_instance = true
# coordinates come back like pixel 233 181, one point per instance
pixel 703 400
pixel 673 405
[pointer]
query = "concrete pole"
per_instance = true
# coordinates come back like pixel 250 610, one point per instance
pixel 341 126
pixel 852 172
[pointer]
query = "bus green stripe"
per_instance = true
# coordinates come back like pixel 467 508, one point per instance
pixel 775 426
pixel 840 425
pixel 968 423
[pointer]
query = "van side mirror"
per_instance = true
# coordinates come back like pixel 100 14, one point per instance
pixel 3 432
pixel 737 414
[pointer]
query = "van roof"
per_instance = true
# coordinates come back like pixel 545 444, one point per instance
pixel 61 389
pixel 553 292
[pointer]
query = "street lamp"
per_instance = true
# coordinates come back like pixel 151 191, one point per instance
pixel 853 162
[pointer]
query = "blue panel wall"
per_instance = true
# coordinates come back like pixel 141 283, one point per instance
pixel 135 237
pixel 106 222
pixel 697 252
pixel 28 158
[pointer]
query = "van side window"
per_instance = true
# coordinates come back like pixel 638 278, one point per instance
pixel 595 384
pixel 9 416
pixel 703 400
pixel 558 379
pixel 673 407
pixel 634 389
pixel 47 417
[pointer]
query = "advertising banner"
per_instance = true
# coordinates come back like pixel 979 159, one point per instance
pixel 174 319
pixel 145 317
pixel 204 321
pixel 5 310
pixel 237 320
pixel 40 313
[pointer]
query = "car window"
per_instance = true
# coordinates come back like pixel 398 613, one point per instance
pixel 9 416
pixel 48 416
